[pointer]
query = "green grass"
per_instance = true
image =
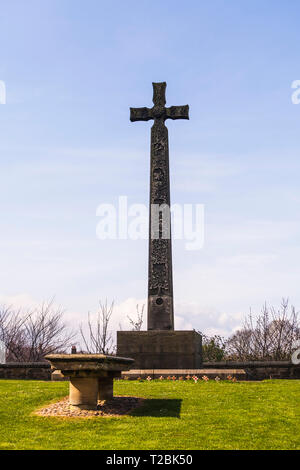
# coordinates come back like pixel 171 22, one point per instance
pixel 176 415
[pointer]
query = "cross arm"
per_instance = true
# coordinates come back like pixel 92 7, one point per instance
pixel 177 112
pixel 140 114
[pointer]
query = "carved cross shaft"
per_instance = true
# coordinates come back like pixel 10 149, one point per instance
pixel 160 276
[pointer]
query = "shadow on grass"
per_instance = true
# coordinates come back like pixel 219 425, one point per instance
pixel 159 408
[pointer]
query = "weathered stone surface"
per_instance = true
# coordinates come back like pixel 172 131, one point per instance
pixel 83 393
pixel 106 388
pixel 91 375
pixel 98 363
pixel 57 376
pixel 160 281
pixel 254 370
pixel 161 349
pixel 26 370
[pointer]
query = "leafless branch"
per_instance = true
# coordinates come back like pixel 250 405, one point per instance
pixel 30 336
pixel 270 337
pixel 138 322
pixel 98 338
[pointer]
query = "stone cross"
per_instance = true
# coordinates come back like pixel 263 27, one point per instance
pixel 160 282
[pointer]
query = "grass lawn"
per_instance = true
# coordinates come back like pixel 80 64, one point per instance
pixel 176 415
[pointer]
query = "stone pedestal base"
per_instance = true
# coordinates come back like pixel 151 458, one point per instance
pixel 83 393
pixel 91 376
pixel 106 388
pixel 161 349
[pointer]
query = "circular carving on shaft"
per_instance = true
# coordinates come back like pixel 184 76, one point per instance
pixel 159 301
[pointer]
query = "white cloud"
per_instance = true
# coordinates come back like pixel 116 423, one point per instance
pixel 19 301
pixel 207 319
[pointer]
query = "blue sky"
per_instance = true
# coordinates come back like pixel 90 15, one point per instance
pixel 72 69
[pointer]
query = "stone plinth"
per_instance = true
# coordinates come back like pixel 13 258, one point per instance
pixel 160 349
pixel 91 376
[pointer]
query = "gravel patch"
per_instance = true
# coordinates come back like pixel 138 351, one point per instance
pixel 118 406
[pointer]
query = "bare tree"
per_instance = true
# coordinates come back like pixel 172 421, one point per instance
pixel 98 338
pixel 213 348
pixel 138 322
pixel 30 336
pixel 269 337
pixel 12 333
pixel 46 333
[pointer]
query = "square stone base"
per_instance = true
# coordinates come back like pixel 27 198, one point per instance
pixel 161 349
